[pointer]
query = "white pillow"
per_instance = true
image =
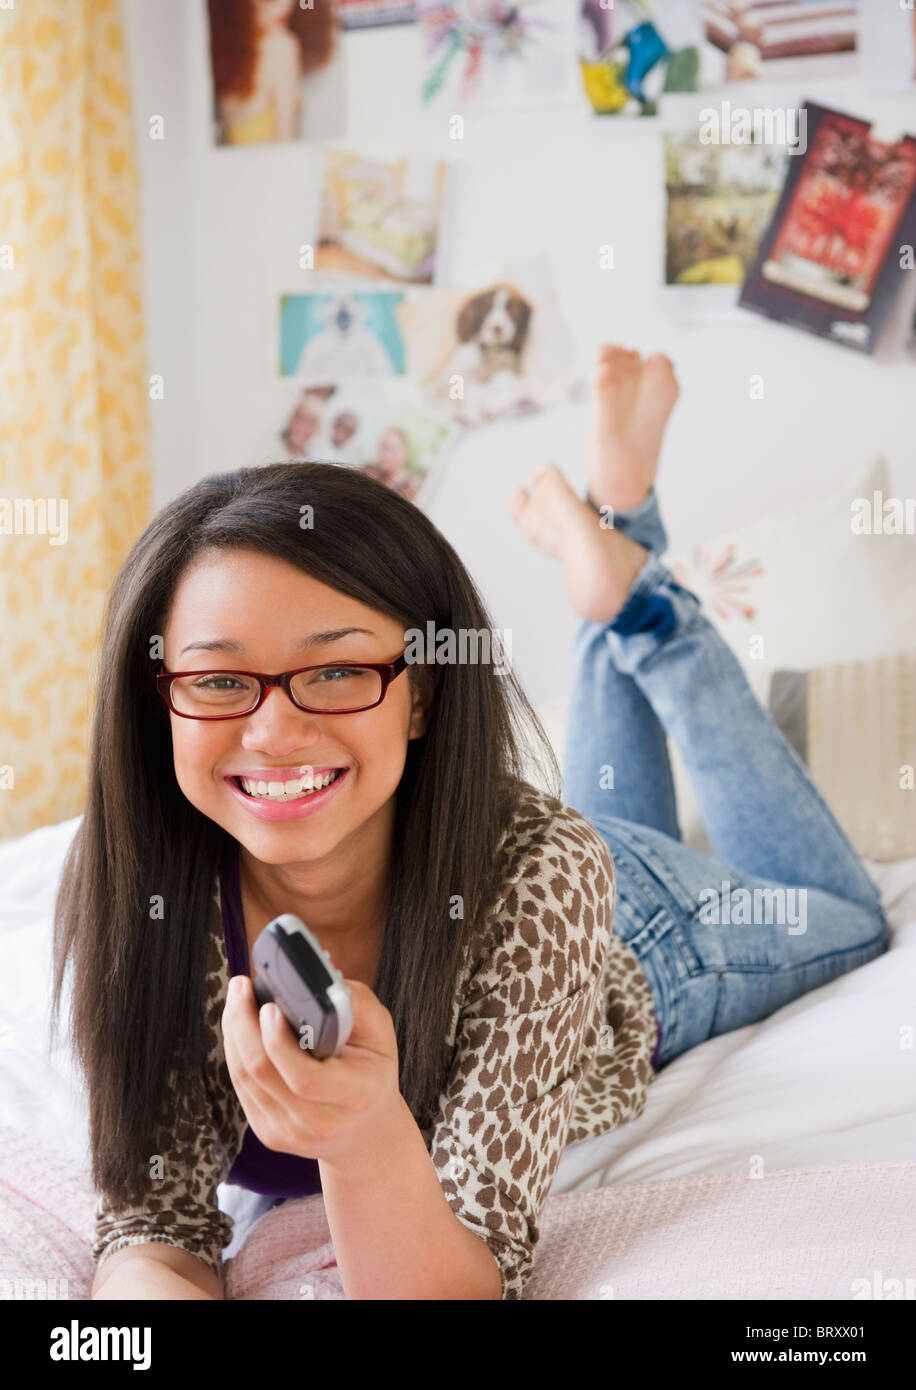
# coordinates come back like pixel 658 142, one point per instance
pixel 808 587
pixel 793 591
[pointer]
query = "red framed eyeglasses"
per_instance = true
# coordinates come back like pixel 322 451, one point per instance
pixel 339 687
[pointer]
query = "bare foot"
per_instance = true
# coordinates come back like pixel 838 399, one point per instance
pixel 631 402
pixel 600 563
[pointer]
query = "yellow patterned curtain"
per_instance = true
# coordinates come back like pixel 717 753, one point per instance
pixel 74 470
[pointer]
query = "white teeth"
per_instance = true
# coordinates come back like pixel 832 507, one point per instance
pixel 288 791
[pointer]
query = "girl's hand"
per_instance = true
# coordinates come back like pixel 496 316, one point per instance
pixel 300 1104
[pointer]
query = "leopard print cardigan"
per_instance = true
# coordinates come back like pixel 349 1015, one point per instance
pixel 551 1036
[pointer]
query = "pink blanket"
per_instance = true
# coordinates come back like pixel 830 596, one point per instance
pixel 838 1233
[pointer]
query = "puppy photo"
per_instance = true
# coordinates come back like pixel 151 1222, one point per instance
pixel 482 353
pixel 492 330
pixel 495 323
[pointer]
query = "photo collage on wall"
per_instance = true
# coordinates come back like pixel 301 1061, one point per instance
pixel 633 53
pixel 809 232
pixel 388 361
pixel 811 238
pixel 381 234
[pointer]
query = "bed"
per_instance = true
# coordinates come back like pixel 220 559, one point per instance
pixel 776 1161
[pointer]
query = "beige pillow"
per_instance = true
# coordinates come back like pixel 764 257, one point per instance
pixel 861 750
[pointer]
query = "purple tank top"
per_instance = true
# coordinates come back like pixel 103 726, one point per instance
pixel 257 1168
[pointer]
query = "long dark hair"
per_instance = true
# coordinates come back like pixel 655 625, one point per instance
pixel 139 835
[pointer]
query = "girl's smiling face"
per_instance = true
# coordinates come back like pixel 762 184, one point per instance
pixel 245 610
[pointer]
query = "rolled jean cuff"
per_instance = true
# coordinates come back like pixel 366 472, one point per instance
pixel 655 609
pixel 639 613
pixel 642 524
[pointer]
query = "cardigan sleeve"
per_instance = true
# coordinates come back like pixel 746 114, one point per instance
pixel 528 1030
pixel 180 1205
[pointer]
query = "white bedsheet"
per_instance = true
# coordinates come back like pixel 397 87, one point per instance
pixel 830 1079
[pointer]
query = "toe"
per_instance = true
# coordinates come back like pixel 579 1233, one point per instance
pixel 660 365
pixel 518 501
pixel 547 473
pixel 616 365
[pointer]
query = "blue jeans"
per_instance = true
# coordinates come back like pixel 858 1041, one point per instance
pixel 784 905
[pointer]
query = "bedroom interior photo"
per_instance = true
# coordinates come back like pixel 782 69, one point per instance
pixel 397 243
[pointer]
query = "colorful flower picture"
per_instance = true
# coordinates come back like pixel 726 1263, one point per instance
pixel 488 54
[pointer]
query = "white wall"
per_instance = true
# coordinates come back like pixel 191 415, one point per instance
pixel 222 229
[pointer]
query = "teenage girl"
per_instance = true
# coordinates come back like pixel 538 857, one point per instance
pixel 520 964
